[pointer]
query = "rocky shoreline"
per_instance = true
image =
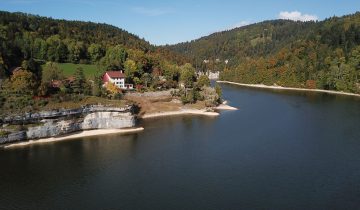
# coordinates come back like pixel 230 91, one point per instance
pixel 181 112
pixel 55 123
pixel 76 135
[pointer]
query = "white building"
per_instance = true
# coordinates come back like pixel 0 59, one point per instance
pixel 118 79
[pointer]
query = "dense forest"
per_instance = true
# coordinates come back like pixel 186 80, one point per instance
pixel 33 47
pixel 26 36
pixel 323 54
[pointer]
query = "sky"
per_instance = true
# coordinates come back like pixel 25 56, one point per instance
pixel 168 22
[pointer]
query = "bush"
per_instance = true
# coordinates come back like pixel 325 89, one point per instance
pixel 177 93
pixel 184 99
pixel 203 81
pixel 190 96
pixel 41 102
pixel 311 84
pixel 218 91
pixel 76 98
pixel 117 96
pixel 210 96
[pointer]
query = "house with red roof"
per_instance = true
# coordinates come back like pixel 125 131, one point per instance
pixel 117 78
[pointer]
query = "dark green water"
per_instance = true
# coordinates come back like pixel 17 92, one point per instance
pixel 281 150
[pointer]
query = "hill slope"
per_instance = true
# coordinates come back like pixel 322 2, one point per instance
pixel 25 36
pixel 302 54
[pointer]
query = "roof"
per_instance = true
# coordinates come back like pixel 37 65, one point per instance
pixel 115 74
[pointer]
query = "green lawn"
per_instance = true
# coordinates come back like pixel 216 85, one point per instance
pixel 69 69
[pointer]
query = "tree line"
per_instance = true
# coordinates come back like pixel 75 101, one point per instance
pixel 26 36
pixel 31 46
pixel 311 54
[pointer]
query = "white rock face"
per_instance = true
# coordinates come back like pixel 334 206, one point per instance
pixel 97 120
pixel 52 128
pixel 108 120
pixel 104 118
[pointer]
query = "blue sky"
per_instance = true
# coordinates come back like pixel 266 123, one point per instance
pixel 169 22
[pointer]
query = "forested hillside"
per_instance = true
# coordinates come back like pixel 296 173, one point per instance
pixel 46 60
pixel 25 36
pixel 322 54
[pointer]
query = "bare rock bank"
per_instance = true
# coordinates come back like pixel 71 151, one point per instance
pixel 65 121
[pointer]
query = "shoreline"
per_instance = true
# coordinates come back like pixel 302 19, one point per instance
pixel 76 135
pixel 289 88
pixel 99 132
pixel 225 107
pixel 203 112
pixel 181 112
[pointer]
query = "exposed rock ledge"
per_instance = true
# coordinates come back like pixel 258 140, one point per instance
pixel 62 122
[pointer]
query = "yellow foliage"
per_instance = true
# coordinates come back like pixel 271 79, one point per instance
pixel 112 88
pixel 23 81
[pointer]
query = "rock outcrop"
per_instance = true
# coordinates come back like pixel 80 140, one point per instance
pixel 62 122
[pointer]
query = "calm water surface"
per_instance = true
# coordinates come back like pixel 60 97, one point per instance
pixel 281 150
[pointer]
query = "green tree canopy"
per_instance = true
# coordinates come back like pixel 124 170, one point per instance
pixel 131 70
pixel 203 81
pixel 50 72
pixel 79 83
pixel 188 76
pixel 115 57
pixel 96 52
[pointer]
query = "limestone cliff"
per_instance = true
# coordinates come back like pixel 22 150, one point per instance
pixel 61 122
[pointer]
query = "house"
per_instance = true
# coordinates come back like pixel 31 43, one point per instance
pixel 117 78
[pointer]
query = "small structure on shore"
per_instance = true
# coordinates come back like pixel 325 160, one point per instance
pixel 118 79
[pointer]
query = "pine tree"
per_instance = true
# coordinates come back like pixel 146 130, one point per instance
pixel 79 82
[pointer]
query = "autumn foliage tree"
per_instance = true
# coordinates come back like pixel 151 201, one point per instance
pixel 23 82
pixel 113 92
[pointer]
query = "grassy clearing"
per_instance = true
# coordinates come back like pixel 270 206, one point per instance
pixel 89 69
pixel 69 69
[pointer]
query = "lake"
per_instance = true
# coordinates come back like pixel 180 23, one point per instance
pixel 280 150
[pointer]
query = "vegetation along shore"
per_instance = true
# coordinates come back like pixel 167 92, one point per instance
pixel 80 76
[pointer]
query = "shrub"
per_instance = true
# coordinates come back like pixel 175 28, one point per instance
pixel 117 96
pixel 210 96
pixel 311 84
pixel 177 93
pixel 41 102
pixel 190 96
pixel 218 91
pixel 203 81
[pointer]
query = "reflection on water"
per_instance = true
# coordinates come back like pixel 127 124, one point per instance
pixel 280 150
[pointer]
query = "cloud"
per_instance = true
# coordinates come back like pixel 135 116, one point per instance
pixel 297 16
pixel 152 11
